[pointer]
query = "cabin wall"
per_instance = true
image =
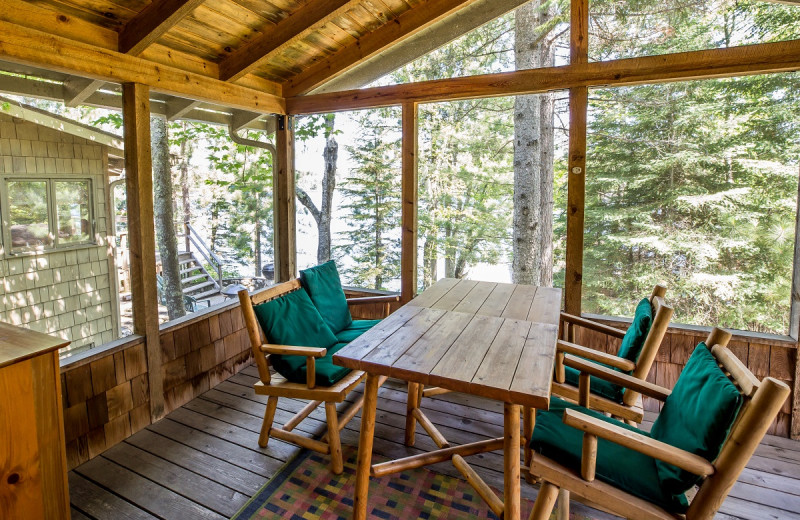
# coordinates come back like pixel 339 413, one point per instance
pixel 67 291
pixel 763 355
pixel 106 394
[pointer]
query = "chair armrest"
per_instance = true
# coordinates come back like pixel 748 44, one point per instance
pixel 618 378
pixel 592 325
pixel 365 300
pixel 291 350
pixel 685 460
pixel 595 355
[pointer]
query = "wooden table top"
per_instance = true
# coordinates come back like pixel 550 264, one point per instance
pixel 489 339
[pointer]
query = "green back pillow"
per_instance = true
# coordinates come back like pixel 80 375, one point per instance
pixel 696 417
pixel 633 341
pixel 325 289
pixel 292 319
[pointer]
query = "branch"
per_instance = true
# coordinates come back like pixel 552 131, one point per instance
pixel 306 201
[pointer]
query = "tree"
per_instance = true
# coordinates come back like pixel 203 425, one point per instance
pixel 164 217
pixel 330 154
pixel 373 193
pixel 537 27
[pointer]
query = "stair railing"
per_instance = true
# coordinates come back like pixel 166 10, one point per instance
pixel 213 260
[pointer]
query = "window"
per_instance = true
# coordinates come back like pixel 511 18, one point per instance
pixel 28 221
pixel 45 213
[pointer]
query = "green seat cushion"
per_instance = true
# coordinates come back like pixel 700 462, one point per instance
pixel 598 386
pixel 325 289
pixel 621 467
pixel 697 416
pixel 293 368
pixel 356 328
pixel 293 319
pixel 633 341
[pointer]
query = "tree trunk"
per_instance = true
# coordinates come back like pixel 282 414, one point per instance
pixel 330 154
pixel 186 155
pixel 533 154
pixel 164 217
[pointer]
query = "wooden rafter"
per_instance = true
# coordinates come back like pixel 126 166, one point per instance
pixel 294 27
pixel 78 90
pixel 154 20
pixel 405 25
pixel 716 63
pixel 28 46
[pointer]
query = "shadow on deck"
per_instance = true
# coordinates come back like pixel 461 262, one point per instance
pixel 202 460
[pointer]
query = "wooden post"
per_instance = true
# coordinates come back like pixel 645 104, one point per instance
pixel 794 324
pixel 410 194
pixel 511 484
pixel 284 206
pixel 576 166
pixel 141 234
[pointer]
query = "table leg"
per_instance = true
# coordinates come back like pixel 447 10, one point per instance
pixel 365 447
pixel 412 402
pixel 511 484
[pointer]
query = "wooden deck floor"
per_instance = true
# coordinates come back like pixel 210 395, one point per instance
pixel 202 461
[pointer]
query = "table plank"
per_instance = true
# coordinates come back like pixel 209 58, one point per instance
pixel 494 376
pixel 519 305
pixel 454 296
pixel 381 359
pixel 433 293
pixel 496 303
pixel 546 307
pixel 535 369
pixel 465 356
pixel 417 362
pixel 372 339
pixel 475 298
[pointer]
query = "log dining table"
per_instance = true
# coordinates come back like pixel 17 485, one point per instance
pixel 492 340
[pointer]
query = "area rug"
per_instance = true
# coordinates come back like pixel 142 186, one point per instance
pixel 305 489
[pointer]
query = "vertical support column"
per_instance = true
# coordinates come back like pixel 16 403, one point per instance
pixel 410 196
pixel 283 202
pixel 794 324
pixel 141 232
pixel 576 180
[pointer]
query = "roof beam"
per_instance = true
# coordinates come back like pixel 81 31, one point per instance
pixel 179 107
pixel 28 46
pixel 716 63
pixel 422 43
pixel 241 119
pixel 289 30
pixel 78 90
pixel 152 22
pixel 407 24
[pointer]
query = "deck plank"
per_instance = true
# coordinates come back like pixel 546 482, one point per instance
pixel 203 461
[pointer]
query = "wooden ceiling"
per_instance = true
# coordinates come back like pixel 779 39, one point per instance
pixel 279 48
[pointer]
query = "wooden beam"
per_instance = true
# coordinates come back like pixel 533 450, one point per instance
pixel 717 63
pixel 294 27
pixel 28 46
pixel 141 232
pixel 179 107
pixel 576 161
pixel 152 22
pixel 423 42
pixel 410 195
pixel 283 202
pixel 78 90
pixel 407 24
pixel 241 119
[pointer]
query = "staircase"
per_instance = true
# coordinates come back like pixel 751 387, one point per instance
pixel 196 281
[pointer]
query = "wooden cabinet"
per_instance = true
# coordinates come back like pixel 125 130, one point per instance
pixel 33 462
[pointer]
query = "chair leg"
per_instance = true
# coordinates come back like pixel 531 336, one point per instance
pixel 563 505
pixel 266 426
pixel 545 501
pixel 412 402
pixel 334 443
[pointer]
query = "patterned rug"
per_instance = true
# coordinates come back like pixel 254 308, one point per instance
pixel 305 489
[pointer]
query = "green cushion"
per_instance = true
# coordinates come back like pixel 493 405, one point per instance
pixel 697 416
pixel 633 341
pixel 356 328
pixel 293 368
pixel 293 319
pixel 325 289
pixel 624 468
pixel 598 386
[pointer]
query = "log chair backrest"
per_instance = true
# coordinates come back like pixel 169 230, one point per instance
pixel 247 302
pixel 762 402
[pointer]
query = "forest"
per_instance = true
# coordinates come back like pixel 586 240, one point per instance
pixel 691 184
